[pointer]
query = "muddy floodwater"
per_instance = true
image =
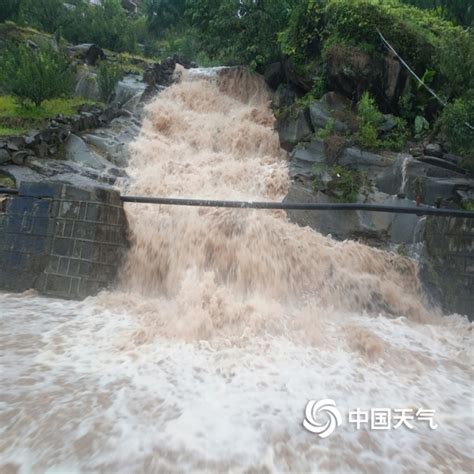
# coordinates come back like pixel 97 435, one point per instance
pixel 225 323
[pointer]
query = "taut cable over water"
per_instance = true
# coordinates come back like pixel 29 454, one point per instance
pixel 225 323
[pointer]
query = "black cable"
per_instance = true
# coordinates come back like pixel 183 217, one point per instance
pixel 419 211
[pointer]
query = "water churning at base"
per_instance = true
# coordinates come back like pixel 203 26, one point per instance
pixel 211 136
pixel 226 323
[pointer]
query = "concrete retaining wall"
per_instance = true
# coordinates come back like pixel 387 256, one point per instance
pixel 448 268
pixel 61 240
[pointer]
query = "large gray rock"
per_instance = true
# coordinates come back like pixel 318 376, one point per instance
pixel 434 149
pixel 409 177
pixel 305 156
pixel 284 96
pixel 4 156
pixel 127 88
pixel 293 127
pixel 381 228
pixel 87 86
pixel 88 52
pixel 77 151
pixel 371 163
pixel 331 107
pixel 274 75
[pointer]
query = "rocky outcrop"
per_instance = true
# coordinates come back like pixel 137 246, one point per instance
pixel 294 126
pixel 333 108
pixel 88 53
pixel 87 86
pixel 48 142
pixel 162 74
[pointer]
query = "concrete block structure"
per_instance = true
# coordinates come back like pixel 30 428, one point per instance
pixel 61 240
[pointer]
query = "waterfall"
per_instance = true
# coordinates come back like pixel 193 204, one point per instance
pixel 226 322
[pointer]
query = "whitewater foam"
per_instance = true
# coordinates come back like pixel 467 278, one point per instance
pixel 226 322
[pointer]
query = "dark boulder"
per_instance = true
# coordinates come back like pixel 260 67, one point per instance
pixel 294 126
pixel 331 107
pixel 130 6
pixel 89 53
pixel 284 96
pixel 274 75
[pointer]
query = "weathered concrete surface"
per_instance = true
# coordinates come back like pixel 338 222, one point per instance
pixel 448 263
pixel 61 240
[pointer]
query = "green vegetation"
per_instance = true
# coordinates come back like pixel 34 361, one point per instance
pixel 370 119
pixel 345 184
pixel 239 32
pixel 9 9
pixel 469 205
pixel 460 11
pixel 327 131
pixel 16 119
pixel 11 131
pixel 453 123
pixel 35 76
pixel 7 181
pixel 317 39
pixel 108 76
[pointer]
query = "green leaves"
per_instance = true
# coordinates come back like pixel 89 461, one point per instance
pixel 108 76
pixel 239 32
pixel 35 76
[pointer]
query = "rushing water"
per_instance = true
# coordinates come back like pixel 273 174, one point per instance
pixel 226 322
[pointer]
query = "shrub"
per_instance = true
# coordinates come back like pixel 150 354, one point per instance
pixel 35 76
pixel 47 15
pixel 9 9
pixel 105 23
pixel 108 76
pixel 453 124
pixel 369 120
pixel 346 184
pixel 303 37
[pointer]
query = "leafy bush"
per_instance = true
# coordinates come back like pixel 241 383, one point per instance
pixel 461 11
pixel 455 62
pixel 453 124
pixel 35 76
pixel 47 15
pixel 369 120
pixel 105 24
pixel 346 184
pixel 304 34
pixel 327 131
pixel 9 9
pixel 108 76
pixel 237 32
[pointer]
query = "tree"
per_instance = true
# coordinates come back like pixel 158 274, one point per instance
pixel 47 15
pixel 163 15
pixel 461 11
pixel 9 9
pixel 35 76
pixel 105 23
pixel 239 31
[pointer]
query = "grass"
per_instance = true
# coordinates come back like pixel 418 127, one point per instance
pixel 16 119
pixel 11 131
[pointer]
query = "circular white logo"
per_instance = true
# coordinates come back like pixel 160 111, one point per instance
pixel 313 409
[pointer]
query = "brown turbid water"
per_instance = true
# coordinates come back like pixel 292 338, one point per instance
pixel 226 322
